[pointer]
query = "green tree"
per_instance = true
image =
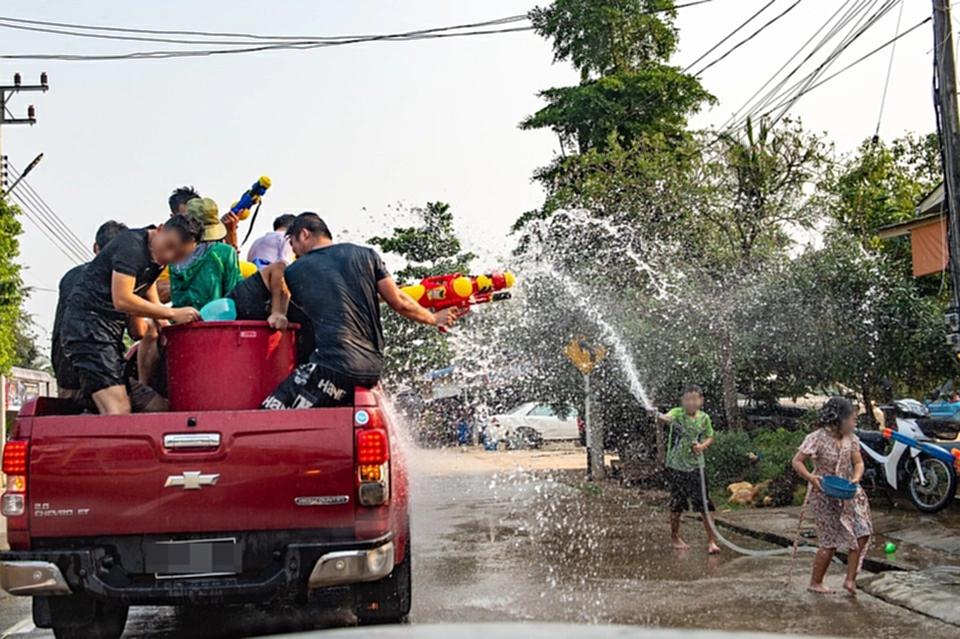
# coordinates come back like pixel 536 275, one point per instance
pixel 881 184
pixel 11 284
pixel 431 247
pixel 629 102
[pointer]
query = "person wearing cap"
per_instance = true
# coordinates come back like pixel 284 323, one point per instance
pixel 213 269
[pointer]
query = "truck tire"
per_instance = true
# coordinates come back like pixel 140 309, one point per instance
pixel 386 601
pixel 108 622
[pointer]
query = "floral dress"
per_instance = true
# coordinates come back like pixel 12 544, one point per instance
pixel 840 522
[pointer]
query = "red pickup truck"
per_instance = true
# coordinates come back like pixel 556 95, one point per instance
pixel 205 506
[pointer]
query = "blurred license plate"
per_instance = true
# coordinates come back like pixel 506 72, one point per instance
pixel 201 558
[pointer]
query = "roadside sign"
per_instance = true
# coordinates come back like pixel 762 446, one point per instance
pixel 584 356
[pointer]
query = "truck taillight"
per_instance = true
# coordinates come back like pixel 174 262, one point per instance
pixel 373 458
pixel 15 455
pixel 372 447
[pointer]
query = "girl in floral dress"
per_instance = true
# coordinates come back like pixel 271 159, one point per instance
pixel 841 523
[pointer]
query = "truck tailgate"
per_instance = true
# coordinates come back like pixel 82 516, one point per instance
pixel 182 473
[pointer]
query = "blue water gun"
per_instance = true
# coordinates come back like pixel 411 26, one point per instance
pixel 251 198
pixel 930 449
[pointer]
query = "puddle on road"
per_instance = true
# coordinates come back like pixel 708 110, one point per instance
pixel 533 547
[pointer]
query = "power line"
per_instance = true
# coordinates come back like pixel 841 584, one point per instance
pixel 750 37
pixel 886 84
pixel 811 78
pixel 865 57
pixel 251 36
pixel 792 95
pixel 52 215
pixel 275 43
pixel 728 36
pixel 54 28
pixel 793 57
pixel 39 212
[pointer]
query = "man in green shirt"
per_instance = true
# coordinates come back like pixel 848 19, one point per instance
pixel 691 432
pixel 213 269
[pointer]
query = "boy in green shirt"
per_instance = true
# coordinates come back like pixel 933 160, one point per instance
pixel 691 432
pixel 213 269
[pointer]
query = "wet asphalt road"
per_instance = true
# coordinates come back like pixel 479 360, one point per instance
pixel 518 547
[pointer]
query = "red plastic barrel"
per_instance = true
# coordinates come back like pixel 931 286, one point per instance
pixel 226 365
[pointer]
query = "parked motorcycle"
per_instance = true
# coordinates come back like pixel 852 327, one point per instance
pixel 930 483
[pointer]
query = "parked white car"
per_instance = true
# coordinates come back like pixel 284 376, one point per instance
pixel 537 416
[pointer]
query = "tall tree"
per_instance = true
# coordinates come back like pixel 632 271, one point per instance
pixel 430 247
pixel 629 98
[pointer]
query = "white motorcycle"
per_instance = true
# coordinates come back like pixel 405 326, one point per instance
pixel 930 483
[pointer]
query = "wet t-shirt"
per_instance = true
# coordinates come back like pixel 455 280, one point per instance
pixel 336 288
pixel 91 299
pixel 685 431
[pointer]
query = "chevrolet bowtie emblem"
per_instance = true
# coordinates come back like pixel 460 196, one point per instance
pixel 192 480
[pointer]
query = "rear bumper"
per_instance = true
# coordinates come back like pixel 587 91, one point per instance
pixel 299 569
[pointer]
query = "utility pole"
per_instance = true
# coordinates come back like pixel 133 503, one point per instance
pixel 948 119
pixel 7 91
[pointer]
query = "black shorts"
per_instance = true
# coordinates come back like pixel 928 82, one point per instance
pixel 311 386
pixel 98 363
pixel 252 298
pixel 685 491
pixel 67 378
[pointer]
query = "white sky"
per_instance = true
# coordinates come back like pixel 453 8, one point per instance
pixel 350 132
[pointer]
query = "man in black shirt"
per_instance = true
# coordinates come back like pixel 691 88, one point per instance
pixel 338 287
pixel 68 384
pixel 118 283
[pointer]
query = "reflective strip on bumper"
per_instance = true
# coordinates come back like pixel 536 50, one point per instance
pixel 352 566
pixel 32 578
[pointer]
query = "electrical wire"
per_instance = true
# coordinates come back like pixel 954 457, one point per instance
pixel 830 30
pixel 53 226
pixel 457 31
pixel 782 111
pixel 728 36
pixel 4 23
pixel 52 215
pixel 250 36
pixel 867 55
pixel 27 210
pixel 750 37
pixel 786 64
pixel 886 84
pixel 789 98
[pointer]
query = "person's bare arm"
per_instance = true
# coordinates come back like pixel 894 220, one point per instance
pixel 858 466
pixel 163 291
pixel 665 418
pixel 279 301
pixel 800 466
pixel 407 307
pixel 231 221
pixel 125 300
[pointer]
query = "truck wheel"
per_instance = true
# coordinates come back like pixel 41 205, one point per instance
pixel 108 622
pixel 386 601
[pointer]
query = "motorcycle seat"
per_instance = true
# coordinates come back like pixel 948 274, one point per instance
pixel 871 437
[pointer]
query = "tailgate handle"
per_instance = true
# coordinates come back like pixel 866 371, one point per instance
pixel 192 441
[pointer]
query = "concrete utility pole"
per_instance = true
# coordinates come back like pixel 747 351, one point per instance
pixel 7 91
pixel 948 117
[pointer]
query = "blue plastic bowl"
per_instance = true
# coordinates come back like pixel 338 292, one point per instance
pixel 219 310
pixel 838 487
